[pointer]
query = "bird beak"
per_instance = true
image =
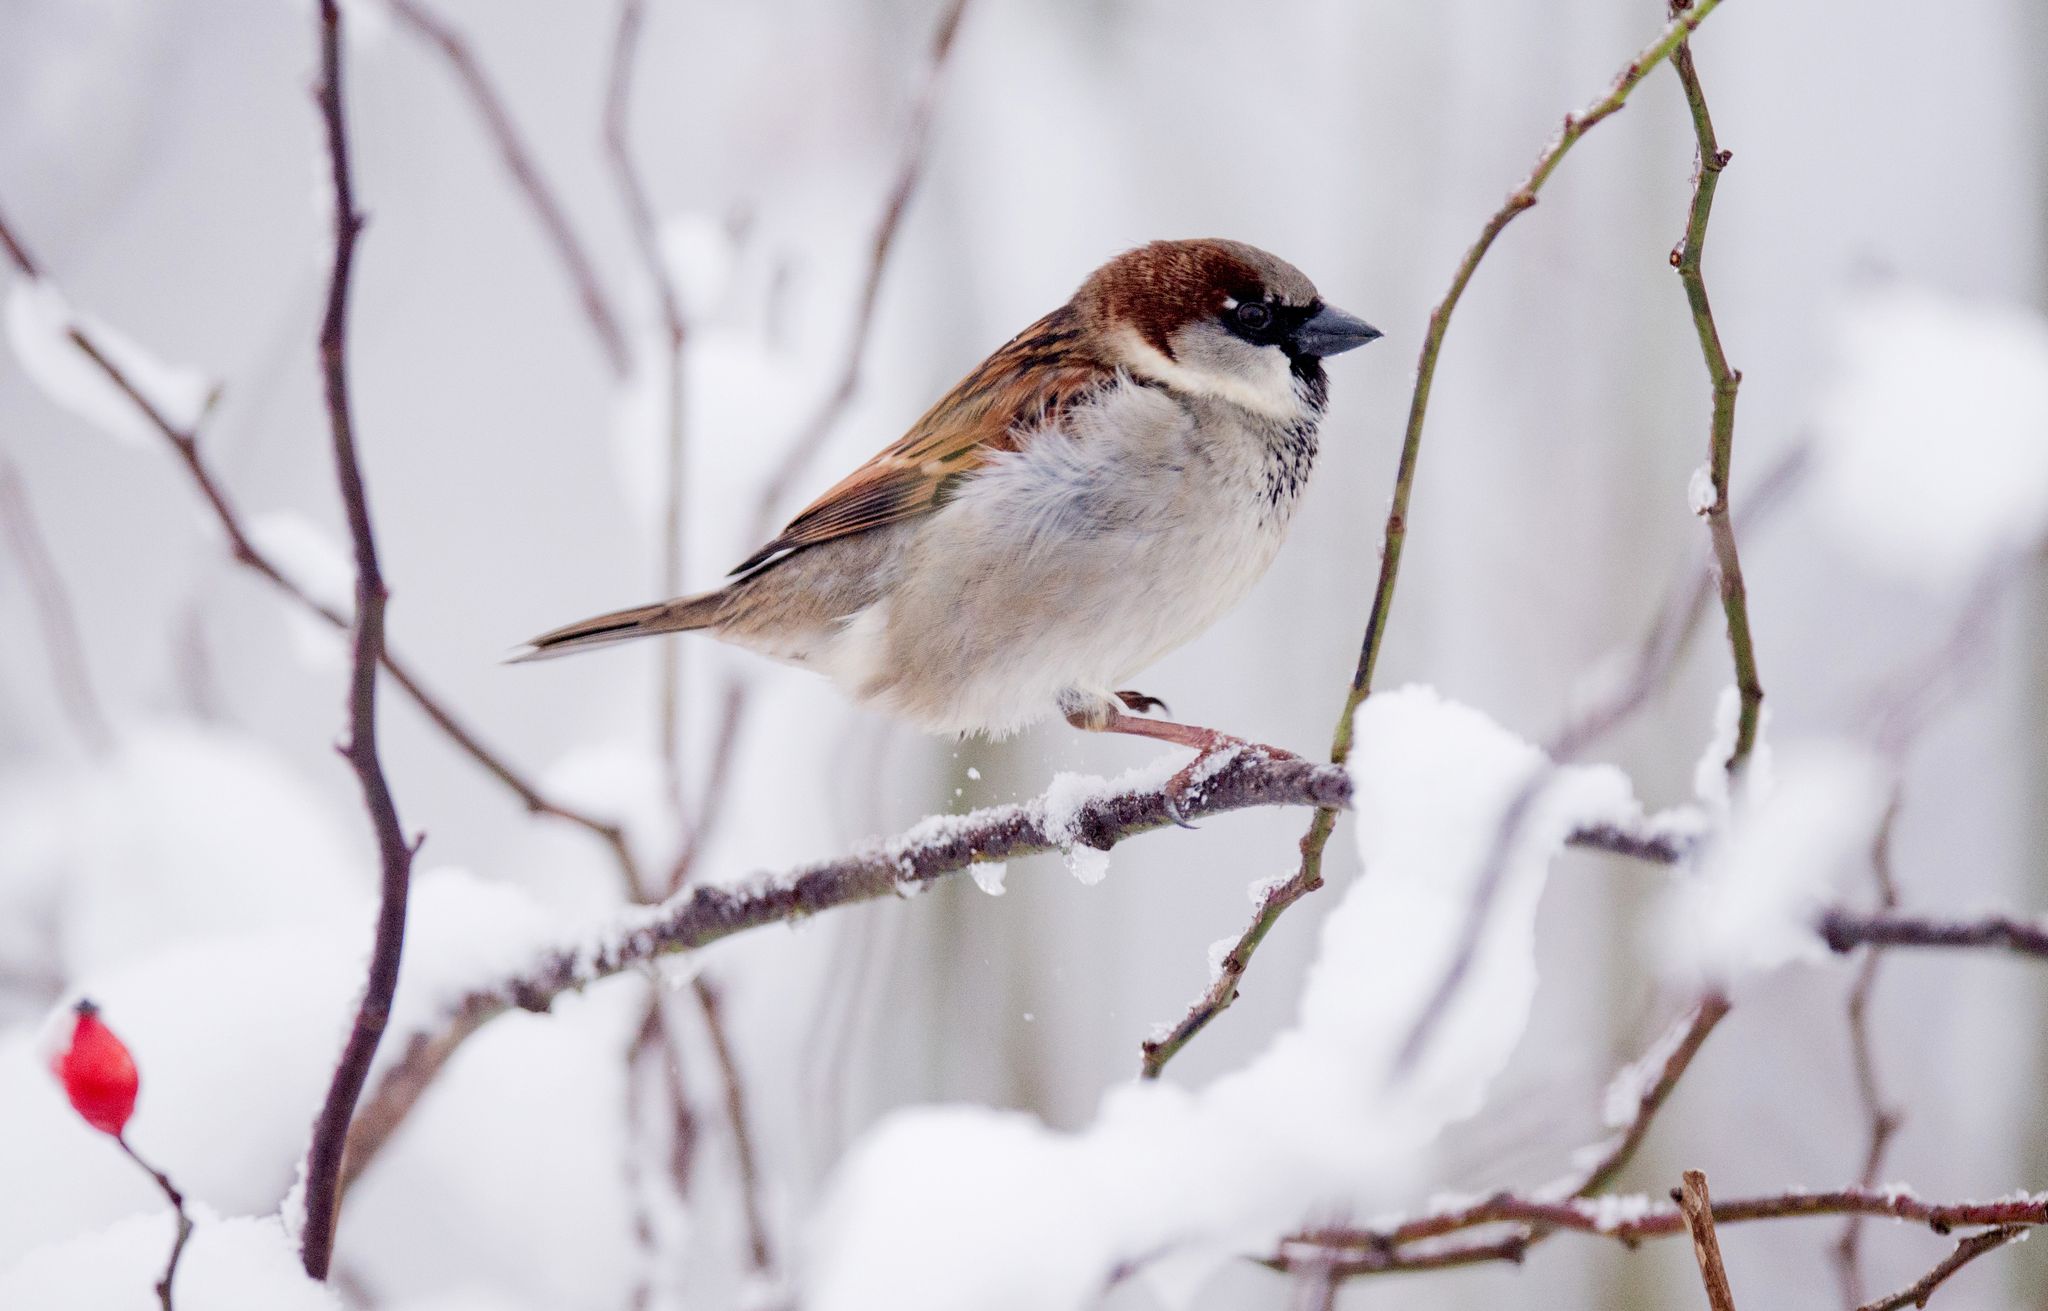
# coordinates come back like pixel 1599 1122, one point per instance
pixel 1332 332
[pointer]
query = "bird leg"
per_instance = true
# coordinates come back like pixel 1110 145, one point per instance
pixel 1104 717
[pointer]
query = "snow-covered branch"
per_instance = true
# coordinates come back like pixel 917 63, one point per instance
pixel 1627 1218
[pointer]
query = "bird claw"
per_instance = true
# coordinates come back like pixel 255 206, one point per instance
pixel 1140 704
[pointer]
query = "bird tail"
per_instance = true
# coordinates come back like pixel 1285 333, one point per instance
pixel 679 616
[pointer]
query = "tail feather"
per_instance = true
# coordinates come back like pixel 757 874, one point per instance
pixel 691 612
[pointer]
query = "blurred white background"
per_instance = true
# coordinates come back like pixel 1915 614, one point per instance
pixel 161 162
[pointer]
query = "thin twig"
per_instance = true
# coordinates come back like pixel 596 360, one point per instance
pixel 710 806
pixel 1884 1118
pixel 184 1220
pixel 1628 1220
pixel 1672 1055
pixel 1309 874
pixel 654 1056
pixel 1969 1249
pixel 244 551
pixel 709 1005
pixel 69 671
pixel 17 254
pixel 810 439
pixel 1724 380
pixel 525 173
pixel 394 852
pixel 1845 930
pixel 1698 1210
pixel 618 102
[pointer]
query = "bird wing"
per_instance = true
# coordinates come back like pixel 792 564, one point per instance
pixel 1029 383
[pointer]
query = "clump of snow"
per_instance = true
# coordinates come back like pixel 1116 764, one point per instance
pixel 1612 1211
pixel 227 1265
pixel 1011 1214
pixel 1071 794
pixel 312 558
pixel 1710 777
pixel 974 773
pixel 39 327
pixel 1763 879
pixel 1933 441
pixel 182 832
pixel 1699 490
pixel 988 876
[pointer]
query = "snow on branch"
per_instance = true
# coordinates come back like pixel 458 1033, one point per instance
pixel 1628 1219
pixel 1088 815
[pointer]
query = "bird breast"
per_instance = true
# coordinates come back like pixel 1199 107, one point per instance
pixel 1073 562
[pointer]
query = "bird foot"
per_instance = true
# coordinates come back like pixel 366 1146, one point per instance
pixel 1140 704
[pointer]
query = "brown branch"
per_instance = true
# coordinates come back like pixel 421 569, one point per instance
pixel 1884 1118
pixel 710 806
pixel 1724 381
pixel 17 254
pixel 654 1053
pixel 810 439
pixel 330 1128
pixel 1845 930
pixel 69 671
pixel 244 551
pixel 1308 875
pixel 1628 1220
pixel 935 849
pixel 647 243
pixel 709 1005
pixel 1673 1054
pixel 519 162
pixel 1698 1209
pixel 184 1220
pixel 1969 1249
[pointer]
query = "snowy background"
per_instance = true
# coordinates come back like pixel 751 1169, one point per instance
pixel 203 869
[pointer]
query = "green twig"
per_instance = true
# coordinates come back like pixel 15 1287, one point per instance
pixel 1309 875
pixel 1725 380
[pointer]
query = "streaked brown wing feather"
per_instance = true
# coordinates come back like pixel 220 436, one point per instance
pixel 1029 382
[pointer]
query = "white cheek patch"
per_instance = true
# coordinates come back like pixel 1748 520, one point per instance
pixel 1265 387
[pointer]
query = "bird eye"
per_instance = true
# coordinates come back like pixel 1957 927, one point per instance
pixel 1254 315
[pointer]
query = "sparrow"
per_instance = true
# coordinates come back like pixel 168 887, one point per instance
pixel 1092 496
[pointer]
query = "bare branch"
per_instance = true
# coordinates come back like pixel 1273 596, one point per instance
pixel 17 254
pixel 1884 1118
pixel 183 1218
pixel 1846 930
pixel 1668 1060
pixel 1309 875
pixel 709 1005
pixel 245 552
pixel 1631 1220
pixel 1725 380
pixel 937 848
pixel 1697 1208
pixel 1969 1249
pixel 525 172
pixel 394 852
pixel 69 672
pixel 647 242
pixel 810 440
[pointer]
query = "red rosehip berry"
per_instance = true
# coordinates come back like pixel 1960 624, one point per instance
pixel 97 1072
